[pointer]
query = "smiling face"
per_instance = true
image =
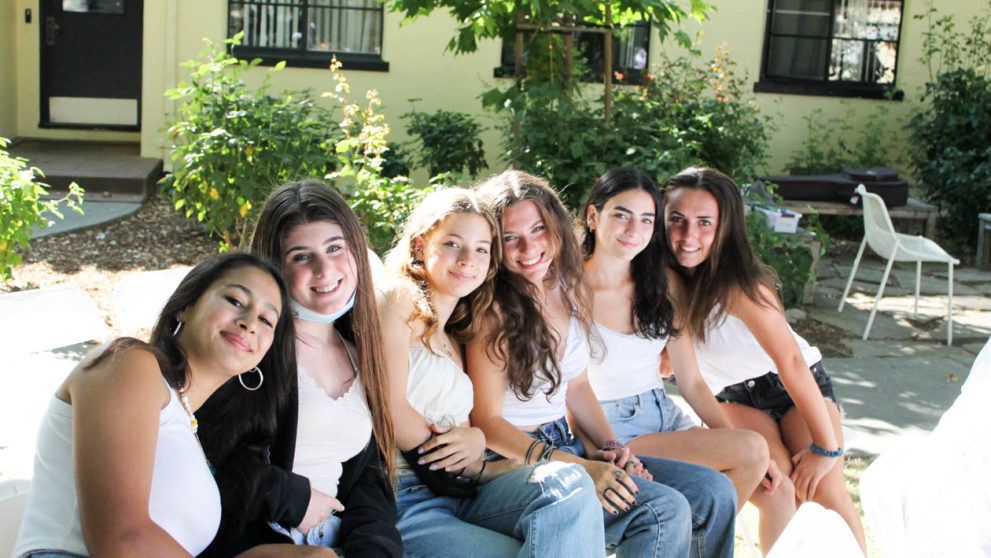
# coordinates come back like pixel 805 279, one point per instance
pixel 625 225
pixel 456 254
pixel 692 218
pixel 231 326
pixel 529 249
pixel 319 266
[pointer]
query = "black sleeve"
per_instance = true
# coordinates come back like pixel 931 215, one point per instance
pixel 368 522
pixel 282 497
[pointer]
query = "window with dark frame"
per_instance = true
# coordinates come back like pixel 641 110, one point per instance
pixel 845 48
pixel 309 33
pixel 631 44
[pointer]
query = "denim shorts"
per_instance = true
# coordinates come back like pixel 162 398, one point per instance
pixel 768 394
pixel 645 413
pixel 51 554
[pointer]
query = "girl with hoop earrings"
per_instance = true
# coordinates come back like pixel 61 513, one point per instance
pixel 768 378
pixel 534 402
pixel 451 502
pixel 326 481
pixel 119 470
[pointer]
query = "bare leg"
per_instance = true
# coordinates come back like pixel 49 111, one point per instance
pixel 739 454
pixel 831 492
pixel 777 509
pixel 287 550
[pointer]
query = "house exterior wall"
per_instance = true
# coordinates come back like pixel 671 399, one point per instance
pixel 8 72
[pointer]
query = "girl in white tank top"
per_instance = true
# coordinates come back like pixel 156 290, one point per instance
pixel 634 300
pixel 741 334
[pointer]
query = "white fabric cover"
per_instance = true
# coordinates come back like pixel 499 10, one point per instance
pixel 933 498
pixel 815 532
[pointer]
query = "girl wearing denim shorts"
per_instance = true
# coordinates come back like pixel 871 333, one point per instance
pixel 767 377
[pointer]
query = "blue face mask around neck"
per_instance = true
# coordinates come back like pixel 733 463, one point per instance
pixel 301 312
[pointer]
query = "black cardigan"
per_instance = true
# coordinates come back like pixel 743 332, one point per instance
pixel 368 522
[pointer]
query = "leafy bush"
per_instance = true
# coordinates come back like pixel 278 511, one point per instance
pixel 951 132
pixel 448 142
pixel 826 149
pixel 688 112
pixel 382 202
pixel 231 145
pixel 21 206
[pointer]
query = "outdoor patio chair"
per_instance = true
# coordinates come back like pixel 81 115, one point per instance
pixel 13 497
pixel 880 235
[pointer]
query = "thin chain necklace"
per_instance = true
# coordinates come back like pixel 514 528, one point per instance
pixel 195 426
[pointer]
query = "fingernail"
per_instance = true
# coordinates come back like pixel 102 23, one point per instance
pixel 421 462
pixel 626 508
pixel 448 469
pixel 419 450
pixel 614 512
pixel 433 467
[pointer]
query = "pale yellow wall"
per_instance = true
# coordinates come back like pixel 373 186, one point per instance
pixel 28 79
pixel 740 24
pixel 8 71
pixel 419 67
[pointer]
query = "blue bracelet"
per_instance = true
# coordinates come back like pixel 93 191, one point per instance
pixel 824 452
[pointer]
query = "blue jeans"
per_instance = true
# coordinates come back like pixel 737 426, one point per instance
pixel 650 411
pixel 660 523
pixel 548 510
pixel 52 554
pixel 326 534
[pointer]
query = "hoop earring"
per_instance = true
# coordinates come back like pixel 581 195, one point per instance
pixel 178 328
pixel 261 379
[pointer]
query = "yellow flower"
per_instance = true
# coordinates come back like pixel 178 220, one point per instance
pixel 245 208
pixel 3 245
pixel 214 194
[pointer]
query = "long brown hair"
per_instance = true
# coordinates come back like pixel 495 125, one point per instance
pixel 521 338
pixel 298 203
pixel 731 264
pixel 404 264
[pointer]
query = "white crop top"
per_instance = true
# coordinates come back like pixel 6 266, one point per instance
pixel 321 446
pixel 438 389
pixel 540 409
pixel 731 354
pixel 184 499
pixel 629 365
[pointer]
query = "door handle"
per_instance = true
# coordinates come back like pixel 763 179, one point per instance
pixel 51 30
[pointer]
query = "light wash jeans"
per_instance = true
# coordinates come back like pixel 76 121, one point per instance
pixel 326 534
pixel 539 511
pixel 710 495
pixel 647 412
pixel 659 525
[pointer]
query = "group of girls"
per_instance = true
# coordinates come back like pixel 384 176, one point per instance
pixel 329 414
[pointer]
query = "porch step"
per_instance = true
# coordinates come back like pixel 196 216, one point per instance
pixel 107 171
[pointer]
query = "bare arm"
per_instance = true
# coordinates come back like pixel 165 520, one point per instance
pixel 115 412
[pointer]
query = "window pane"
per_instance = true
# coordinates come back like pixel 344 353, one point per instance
pixel 93 6
pixel 357 28
pixel 863 61
pixel 867 19
pixel 801 17
pixel 797 58
pixel 266 24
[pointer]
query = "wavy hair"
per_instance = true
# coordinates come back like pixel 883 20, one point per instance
pixel 404 264
pixel 653 312
pixel 309 201
pixel 233 422
pixel 521 337
pixel 732 263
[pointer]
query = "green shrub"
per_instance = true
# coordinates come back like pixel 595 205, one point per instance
pixel 448 142
pixel 826 148
pixel 231 145
pixel 21 206
pixel 951 131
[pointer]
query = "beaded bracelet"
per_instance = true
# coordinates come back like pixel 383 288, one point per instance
pixel 818 450
pixel 612 445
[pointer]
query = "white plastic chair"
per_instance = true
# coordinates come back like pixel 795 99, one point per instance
pixel 880 235
pixel 139 297
pixel 13 497
pixel 41 319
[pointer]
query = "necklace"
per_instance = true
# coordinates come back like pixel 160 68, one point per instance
pixel 193 423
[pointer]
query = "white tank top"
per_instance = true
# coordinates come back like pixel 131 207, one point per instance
pixel 438 389
pixel 322 446
pixel 541 409
pixel 184 499
pixel 731 354
pixel 629 365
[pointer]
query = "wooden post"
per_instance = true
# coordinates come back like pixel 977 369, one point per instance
pixel 607 64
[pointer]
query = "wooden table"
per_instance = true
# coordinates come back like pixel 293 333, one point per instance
pixel 914 210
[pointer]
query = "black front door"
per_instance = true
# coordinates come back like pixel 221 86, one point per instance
pixel 91 63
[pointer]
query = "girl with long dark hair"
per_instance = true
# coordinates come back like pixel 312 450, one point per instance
pixel 119 470
pixel 326 481
pixel 768 378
